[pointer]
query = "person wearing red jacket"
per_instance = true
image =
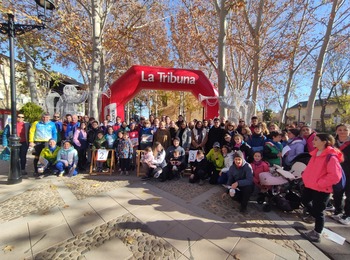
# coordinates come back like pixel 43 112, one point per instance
pixel 321 173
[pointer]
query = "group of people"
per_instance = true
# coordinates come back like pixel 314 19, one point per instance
pixel 216 150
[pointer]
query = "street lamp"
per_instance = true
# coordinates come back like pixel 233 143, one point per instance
pixel 12 30
pixel 299 108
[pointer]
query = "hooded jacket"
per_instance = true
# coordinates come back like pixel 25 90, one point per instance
pixel 243 174
pixel 69 155
pixel 323 171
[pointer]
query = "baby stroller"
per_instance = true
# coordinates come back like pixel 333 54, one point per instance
pixel 284 187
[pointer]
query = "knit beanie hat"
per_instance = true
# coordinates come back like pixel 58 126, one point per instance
pixel 238 154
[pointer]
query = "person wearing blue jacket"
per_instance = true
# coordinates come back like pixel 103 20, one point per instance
pixel 67 160
pixel 39 134
pixel 240 180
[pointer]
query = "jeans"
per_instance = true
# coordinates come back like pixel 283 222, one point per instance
pixel 315 202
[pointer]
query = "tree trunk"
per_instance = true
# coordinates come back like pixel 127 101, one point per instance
pixel 96 59
pixel 319 64
pixel 222 55
pixel 30 76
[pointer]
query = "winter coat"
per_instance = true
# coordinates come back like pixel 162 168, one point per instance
pixel 216 159
pixel 125 149
pixel 257 169
pixel 80 139
pixel 228 161
pixel 345 149
pixel 270 153
pixel 68 155
pixel 42 132
pixel 257 142
pixel 159 160
pixel 296 146
pixel 243 175
pixel 186 138
pixel 323 171
pixel 309 147
pixel 7 132
pixel 170 151
pixel 50 156
pixel 162 136
pixel 246 150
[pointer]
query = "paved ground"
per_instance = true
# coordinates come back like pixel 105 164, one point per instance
pixel 122 217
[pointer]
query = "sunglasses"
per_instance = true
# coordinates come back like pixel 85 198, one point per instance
pixel 20 116
pixel 56 117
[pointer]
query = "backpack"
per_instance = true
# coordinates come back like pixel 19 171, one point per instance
pixel 340 186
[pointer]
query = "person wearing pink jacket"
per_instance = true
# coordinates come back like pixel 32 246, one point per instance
pixel 319 176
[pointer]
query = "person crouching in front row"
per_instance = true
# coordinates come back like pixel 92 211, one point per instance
pixel 67 160
pixel 240 180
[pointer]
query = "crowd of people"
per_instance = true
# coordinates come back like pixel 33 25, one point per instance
pixel 215 150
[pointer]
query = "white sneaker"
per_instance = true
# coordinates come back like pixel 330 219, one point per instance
pixel 126 173
pixel 337 217
pixel 232 192
pixel 157 174
pixel 344 220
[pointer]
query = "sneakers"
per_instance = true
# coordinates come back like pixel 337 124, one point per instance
pixel 344 220
pixel 105 170
pixel 232 192
pixel 307 218
pixel 337 215
pixel 61 174
pixel 157 174
pixel 312 235
pixel 201 182
pixel 23 172
pixel 126 173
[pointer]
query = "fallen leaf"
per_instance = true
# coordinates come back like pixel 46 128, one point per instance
pixel 54 187
pixel 66 206
pixel 129 240
pixel 8 248
pixel 95 185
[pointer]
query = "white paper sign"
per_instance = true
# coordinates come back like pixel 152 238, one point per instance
pixel 102 155
pixel 192 154
pixel 285 150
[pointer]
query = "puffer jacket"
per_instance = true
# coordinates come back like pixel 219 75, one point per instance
pixel 323 171
pixel 228 161
pixel 296 146
pixel 68 155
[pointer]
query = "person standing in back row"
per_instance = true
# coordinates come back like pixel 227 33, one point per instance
pixel 343 143
pixel 39 134
pixel 22 133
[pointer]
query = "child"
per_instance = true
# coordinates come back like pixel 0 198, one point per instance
pixel 199 168
pixel 175 166
pixel 259 166
pixel 148 157
pixel 273 149
pixel 99 143
pixel 116 144
pixel 216 158
pixel 125 151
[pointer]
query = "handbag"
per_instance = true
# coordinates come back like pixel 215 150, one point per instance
pixel 5 154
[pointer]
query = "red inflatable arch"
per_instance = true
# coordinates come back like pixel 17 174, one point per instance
pixel 145 77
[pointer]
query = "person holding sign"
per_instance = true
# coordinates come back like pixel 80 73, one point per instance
pixel 100 143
